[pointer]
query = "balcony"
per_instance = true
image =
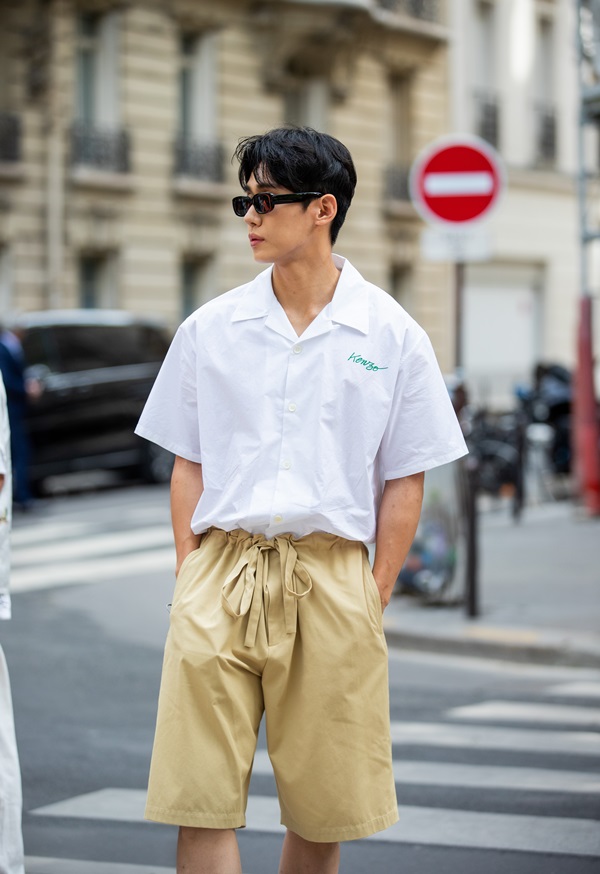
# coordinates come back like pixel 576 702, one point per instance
pixel 100 150
pixel 545 143
pixel 10 138
pixel 199 161
pixel 487 117
pixel 425 10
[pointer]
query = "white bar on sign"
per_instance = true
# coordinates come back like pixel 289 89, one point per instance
pixel 458 184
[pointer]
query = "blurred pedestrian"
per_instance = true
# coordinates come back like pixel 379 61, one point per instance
pixel 19 390
pixel 11 840
pixel 303 409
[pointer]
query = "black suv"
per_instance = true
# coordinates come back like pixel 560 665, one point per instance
pixel 96 368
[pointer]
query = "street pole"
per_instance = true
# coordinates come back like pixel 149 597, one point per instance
pixel 459 293
pixel 472 532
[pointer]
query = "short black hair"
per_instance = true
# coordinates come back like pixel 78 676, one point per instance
pixel 301 159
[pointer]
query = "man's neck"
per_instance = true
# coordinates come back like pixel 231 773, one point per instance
pixel 304 288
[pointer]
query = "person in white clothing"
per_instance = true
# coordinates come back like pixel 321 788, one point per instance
pixel 11 839
pixel 303 409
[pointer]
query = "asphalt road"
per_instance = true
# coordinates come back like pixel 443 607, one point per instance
pixel 497 765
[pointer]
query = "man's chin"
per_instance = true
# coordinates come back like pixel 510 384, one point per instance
pixel 262 259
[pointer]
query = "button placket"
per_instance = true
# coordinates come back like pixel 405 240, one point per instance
pixel 289 432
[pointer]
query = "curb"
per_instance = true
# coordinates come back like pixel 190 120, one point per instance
pixel 543 654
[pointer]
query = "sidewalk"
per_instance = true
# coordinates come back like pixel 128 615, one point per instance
pixel 539 593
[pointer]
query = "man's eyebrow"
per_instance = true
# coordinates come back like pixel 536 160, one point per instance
pixel 268 187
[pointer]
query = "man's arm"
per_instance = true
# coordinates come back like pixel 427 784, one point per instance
pixel 186 488
pixel 397 522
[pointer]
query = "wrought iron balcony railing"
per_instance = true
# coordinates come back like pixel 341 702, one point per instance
pixel 545 134
pixel 396 183
pixel 10 137
pixel 100 149
pixel 204 161
pixel 426 10
pixel 487 117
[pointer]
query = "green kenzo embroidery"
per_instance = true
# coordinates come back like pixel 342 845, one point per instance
pixel 368 364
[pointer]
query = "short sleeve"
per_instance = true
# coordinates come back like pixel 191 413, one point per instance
pixel 422 431
pixel 170 416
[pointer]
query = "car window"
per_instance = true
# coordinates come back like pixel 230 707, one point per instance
pixel 87 347
pixel 39 348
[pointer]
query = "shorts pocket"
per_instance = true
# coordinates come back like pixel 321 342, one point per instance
pixel 372 596
pixel 183 579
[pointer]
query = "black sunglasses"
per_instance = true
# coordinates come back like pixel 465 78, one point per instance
pixel 263 203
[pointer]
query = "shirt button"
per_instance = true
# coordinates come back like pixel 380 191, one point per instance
pixel 292 408
pixel 297 349
pixel 286 465
pixel 278 518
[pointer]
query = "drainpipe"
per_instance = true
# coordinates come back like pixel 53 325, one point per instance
pixel 55 168
pixel 586 424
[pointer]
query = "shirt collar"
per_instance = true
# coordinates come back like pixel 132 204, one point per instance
pixel 349 306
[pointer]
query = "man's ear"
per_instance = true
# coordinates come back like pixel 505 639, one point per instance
pixel 326 209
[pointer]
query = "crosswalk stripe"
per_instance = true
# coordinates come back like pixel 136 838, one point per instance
pixel 516 711
pixel 99 545
pixel 475 776
pixel 95 570
pixel 578 743
pixel 46 865
pixel 580 689
pixel 49 532
pixel 417 825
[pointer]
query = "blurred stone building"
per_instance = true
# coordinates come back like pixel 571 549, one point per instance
pixel 514 82
pixel 118 119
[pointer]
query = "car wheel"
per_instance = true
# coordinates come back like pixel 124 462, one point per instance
pixel 157 465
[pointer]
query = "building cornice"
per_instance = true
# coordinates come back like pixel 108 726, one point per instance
pixel 86 177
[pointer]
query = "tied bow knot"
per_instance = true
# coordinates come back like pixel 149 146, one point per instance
pixel 245 588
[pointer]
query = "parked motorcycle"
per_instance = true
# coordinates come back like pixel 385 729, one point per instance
pixel 548 401
pixel 497 445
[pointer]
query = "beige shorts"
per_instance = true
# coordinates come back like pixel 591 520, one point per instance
pixel 291 627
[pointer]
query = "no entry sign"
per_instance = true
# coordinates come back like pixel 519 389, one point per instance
pixel 456 180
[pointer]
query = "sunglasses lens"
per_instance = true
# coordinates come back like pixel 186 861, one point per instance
pixel 241 205
pixel 263 203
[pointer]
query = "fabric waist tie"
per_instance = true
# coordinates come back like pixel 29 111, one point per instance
pixel 245 590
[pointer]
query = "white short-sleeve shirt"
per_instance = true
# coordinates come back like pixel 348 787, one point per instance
pixel 298 434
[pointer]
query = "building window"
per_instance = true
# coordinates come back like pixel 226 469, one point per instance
pixel 401 285
pixel 198 283
pixel 98 282
pixel 544 111
pixel 197 150
pixel 427 10
pixel 307 103
pixel 486 111
pixel 10 137
pixel 400 141
pixel 97 137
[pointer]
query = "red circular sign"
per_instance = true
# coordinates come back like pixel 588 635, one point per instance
pixel 456 180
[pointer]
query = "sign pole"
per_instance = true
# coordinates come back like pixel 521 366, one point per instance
pixel 454 183
pixel 459 291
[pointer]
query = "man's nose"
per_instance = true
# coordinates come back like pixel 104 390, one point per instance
pixel 252 218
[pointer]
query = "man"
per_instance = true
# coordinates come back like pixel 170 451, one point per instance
pixel 11 840
pixel 302 409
